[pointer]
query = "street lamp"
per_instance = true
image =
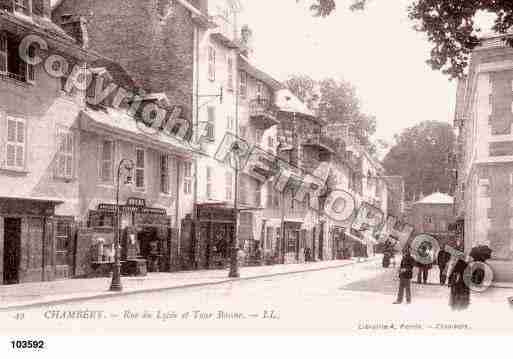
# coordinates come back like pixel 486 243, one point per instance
pixel 115 285
pixel 234 260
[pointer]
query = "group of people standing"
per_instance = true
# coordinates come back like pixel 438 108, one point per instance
pixel 460 292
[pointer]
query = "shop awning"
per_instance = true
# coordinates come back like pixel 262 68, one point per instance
pixel 112 121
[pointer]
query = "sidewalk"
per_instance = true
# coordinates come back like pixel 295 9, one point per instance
pixel 27 295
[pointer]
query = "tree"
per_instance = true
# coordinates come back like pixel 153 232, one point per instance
pixel 421 155
pixel 337 102
pixel 449 25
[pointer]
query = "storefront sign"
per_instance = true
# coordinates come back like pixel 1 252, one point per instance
pixel 136 202
pixel 134 205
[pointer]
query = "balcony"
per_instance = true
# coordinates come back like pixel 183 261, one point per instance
pixel 263 114
pixel 322 142
pixel 224 32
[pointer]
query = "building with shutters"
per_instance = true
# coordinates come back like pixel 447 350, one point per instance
pixel 39 149
pixel 484 157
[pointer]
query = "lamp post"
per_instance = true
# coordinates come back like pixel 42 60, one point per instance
pixel 234 245
pixel 115 285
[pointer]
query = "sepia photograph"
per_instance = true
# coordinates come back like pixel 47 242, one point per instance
pixel 255 167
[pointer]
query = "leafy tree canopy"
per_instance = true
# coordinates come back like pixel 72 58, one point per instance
pixel 421 155
pixel 449 25
pixel 337 102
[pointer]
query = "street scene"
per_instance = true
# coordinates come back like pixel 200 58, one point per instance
pixel 240 165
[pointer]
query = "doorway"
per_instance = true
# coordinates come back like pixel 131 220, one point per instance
pixel 12 247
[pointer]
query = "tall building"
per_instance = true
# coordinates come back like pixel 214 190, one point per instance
pixel 485 158
pixel 39 148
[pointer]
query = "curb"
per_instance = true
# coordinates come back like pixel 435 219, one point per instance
pixel 163 289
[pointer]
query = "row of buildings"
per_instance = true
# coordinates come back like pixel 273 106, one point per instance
pixel 63 156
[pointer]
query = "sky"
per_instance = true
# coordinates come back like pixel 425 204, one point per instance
pixel 376 50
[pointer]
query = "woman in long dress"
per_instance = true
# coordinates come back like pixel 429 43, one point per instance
pixel 460 292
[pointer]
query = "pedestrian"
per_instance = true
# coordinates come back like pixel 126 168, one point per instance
pixel 425 265
pixel 460 293
pixel 405 276
pixel 443 259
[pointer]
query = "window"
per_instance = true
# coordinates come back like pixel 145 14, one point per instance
pixel 243 191
pixel 107 161
pixel 230 123
pixel 164 174
pixel 211 123
pixel 139 168
pixel 15 147
pixel 258 195
pixel 209 182
pixel 243 132
pixel 428 220
pixel 270 142
pixel 187 175
pixel 269 202
pixel 3 54
pixel 62 241
pixel 22 6
pixel 91 89
pixel 258 136
pixel 259 90
pixel 230 74
pixel 243 84
pixel 65 155
pixel 31 71
pixel 229 186
pixel 211 63
pixel 268 238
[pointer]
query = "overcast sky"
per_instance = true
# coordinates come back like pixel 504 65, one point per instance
pixel 376 50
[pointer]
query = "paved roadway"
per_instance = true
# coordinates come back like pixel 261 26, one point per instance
pixel 357 297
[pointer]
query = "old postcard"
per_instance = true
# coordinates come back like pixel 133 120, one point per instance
pixel 244 166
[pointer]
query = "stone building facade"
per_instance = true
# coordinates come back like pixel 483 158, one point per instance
pixel 483 119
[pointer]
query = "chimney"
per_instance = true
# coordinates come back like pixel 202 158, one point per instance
pixel 42 8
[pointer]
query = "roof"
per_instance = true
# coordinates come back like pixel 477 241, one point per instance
pixel 288 102
pixel 119 122
pixel 437 198
pixel 254 71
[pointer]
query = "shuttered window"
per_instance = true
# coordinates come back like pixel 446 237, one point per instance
pixel 209 182
pixel 230 74
pixel 140 155
pixel 15 146
pixel 211 63
pixel 3 54
pixel 187 177
pixel 107 161
pixel 65 157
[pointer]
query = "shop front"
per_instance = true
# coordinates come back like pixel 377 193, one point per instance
pixel 146 235
pixel 35 245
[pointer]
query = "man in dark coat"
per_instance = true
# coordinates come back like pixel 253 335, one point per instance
pixel 405 275
pixel 443 259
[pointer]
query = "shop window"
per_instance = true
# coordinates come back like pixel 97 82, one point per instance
pixel 15 147
pixel 292 241
pixel 229 84
pixel 243 91
pixel 268 238
pixel 140 155
pixel 65 157
pixel 229 186
pixel 62 242
pixel 187 175
pixel 209 182
pixel 211 63
pixel 164 174
pixel 107 161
